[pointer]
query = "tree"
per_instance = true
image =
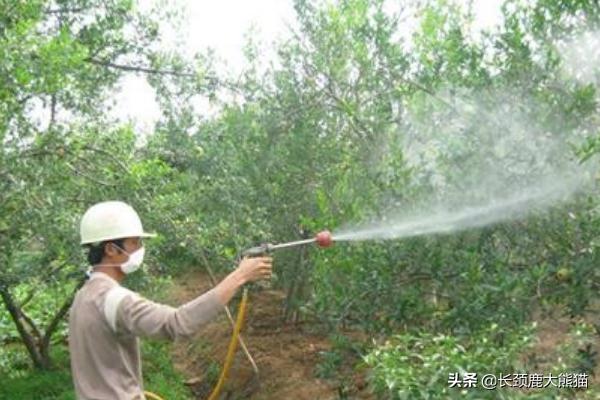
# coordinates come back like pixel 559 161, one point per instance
pixel 61 153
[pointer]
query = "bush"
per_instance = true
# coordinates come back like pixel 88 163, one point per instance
pixel 418 365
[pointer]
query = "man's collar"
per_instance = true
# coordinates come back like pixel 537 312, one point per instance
pixel 102 275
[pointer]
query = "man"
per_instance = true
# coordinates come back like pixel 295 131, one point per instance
pixel 106 319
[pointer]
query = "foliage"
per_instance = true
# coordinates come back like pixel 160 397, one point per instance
pixel 419 365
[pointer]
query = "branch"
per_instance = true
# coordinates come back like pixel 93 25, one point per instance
pixel 24 99
pixel 32 325
pixel 79 173
pixel 108 154
pixel 153 71
pixel 146 70
pixel 29 296
pixel 428 91
pixel 52 111
pixel 65 10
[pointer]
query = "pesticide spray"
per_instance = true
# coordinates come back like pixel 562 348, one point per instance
pixel 511 156
pixel 440 219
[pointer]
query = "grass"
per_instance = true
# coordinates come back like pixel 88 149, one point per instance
pixel 28 383
pixel 159 375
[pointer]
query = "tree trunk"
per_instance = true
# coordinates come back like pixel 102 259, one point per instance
pixel 28 338
pixel 295 292
pixel 37 345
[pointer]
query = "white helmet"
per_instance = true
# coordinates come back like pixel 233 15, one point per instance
pixel 110 220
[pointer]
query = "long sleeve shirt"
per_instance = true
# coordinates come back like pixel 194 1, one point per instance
pixel 105 322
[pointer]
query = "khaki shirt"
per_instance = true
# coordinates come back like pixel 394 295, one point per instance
pixel 105 321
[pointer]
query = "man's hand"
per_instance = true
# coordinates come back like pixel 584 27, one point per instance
pixel 255 268
pixel 249 270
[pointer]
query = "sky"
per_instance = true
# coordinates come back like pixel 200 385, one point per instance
pixel 222 26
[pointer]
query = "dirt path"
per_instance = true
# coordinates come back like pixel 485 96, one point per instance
pixel 286 354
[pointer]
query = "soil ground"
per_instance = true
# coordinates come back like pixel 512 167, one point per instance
pixel 286 354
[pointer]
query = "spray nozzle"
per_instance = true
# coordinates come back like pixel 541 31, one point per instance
pixel 324 238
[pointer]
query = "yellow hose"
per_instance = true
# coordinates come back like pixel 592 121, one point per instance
pixel 152 396
pixel 232 347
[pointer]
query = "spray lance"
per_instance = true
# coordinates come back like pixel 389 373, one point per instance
pixel 322 239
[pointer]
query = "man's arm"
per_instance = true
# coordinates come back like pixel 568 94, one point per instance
pixel 142 317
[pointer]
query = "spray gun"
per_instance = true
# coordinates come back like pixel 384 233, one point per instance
pixel 322 239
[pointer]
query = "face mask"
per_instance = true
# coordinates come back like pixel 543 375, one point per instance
pixel 133 263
